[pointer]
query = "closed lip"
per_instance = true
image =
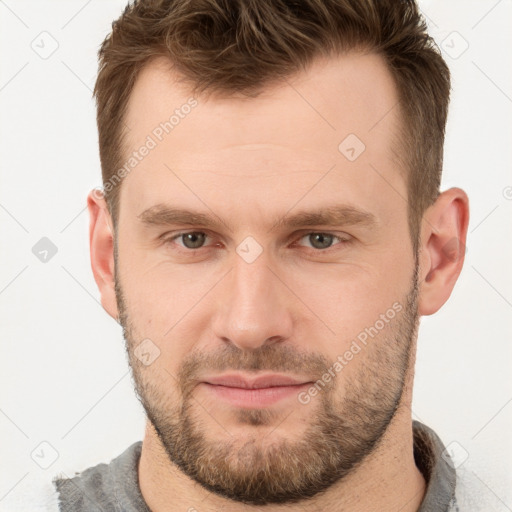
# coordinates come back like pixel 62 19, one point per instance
pixel 234 380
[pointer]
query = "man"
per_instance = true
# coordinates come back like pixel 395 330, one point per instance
pixel 270 231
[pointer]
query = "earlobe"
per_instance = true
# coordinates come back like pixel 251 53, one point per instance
pixel 443 247
pixel 101 241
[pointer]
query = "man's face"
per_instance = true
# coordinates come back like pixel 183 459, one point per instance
pixel 250 293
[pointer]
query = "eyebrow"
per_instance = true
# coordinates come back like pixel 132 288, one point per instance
pixel 337 215
pixel 162 215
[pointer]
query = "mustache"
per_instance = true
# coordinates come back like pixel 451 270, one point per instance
pixel 275 358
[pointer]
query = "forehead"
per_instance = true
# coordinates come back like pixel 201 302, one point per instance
pixel 275 145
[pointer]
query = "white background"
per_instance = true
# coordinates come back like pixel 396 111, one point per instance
pixel 64 376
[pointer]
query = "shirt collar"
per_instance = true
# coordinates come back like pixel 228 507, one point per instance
pixel 433 461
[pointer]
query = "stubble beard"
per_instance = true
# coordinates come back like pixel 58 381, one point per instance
pixel 258 469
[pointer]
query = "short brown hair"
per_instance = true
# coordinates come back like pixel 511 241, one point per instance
pixel 242 46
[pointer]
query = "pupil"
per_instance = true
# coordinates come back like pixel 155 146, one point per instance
pixel 193 240
pixel 323 239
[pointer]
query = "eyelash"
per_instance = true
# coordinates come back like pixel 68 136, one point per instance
pixel 341 240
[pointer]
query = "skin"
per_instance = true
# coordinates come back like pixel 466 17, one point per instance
pixel 250 162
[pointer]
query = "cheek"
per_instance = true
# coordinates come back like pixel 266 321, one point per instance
pixel 348 298
pixel 172 309
pixel 173 304
pixel 160 293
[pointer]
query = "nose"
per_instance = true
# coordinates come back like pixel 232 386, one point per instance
pixel 254 307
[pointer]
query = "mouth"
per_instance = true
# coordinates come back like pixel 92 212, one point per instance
pixel 253 392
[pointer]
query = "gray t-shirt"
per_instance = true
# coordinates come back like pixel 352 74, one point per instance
pixel 115 487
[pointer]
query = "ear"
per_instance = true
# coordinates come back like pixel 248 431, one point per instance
pixel 442 248
pixel 101 242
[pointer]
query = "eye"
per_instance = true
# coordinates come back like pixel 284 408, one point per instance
pixel 190 240
pixel 322 241
pixel 317 240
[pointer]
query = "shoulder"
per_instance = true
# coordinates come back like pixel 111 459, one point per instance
pixel 112 486
pixel 452 484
